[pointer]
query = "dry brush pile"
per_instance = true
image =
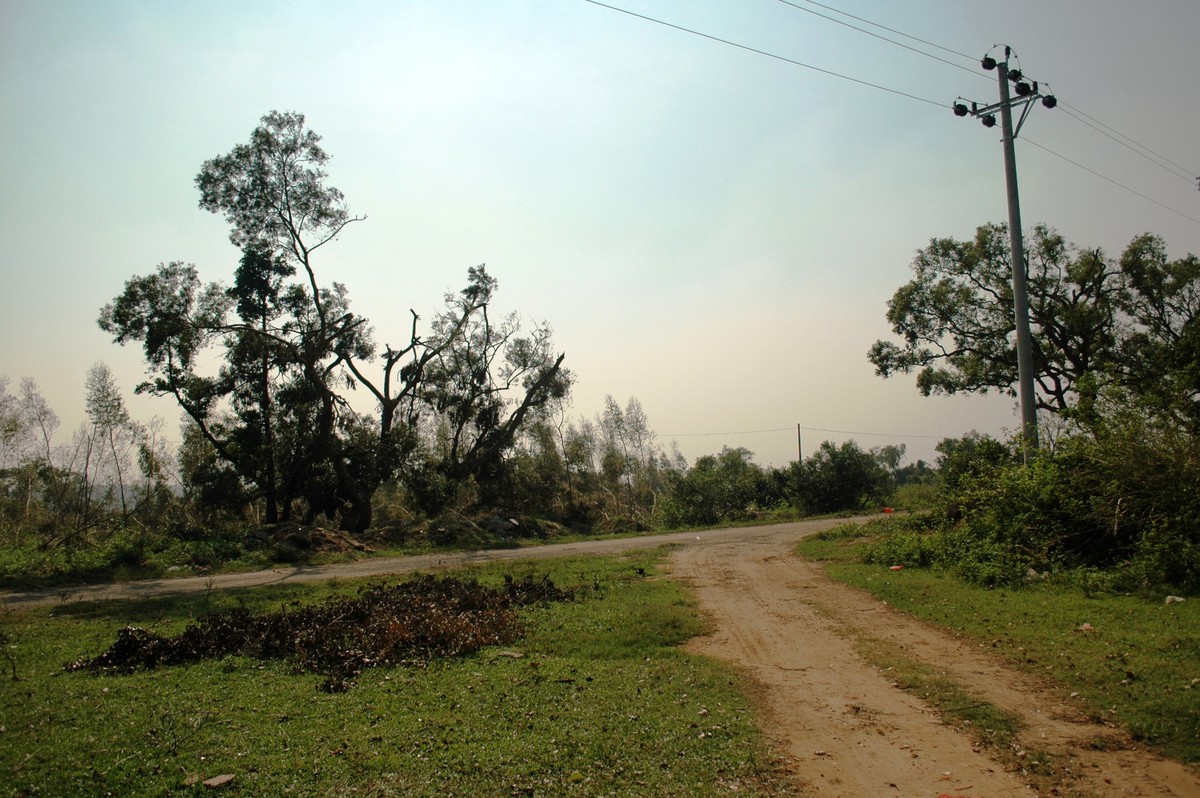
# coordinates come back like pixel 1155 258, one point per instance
pixel 407 623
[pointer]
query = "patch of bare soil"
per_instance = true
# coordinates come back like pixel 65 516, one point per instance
pixel 842 725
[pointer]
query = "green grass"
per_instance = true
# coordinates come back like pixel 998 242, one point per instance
pixel 1139 665
pixel 986 723
pixel 596 699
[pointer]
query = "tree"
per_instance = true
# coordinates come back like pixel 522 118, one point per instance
pixel 482 380
pixel 955 318
pixel 1162 351
pixel 290 341
pixel 722 487
pixel 836 478
pixel 254 367
pixel 889 456
pixel 630 462
pixel 276 415
pixel 969 456
pixel 117 433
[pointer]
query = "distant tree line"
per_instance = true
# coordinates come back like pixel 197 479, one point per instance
pixel 114 493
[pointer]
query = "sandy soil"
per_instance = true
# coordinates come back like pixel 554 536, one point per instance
pixel 842 726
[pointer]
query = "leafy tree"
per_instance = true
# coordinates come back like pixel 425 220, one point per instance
pixel 275 418
pixel 483 380
pixel 254 368
pixel 889 456
pixel 969 456
pixel 1162 351
pixel 955 318
pixel 536 472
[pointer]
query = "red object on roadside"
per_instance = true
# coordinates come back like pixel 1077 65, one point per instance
pixel 888 510
pixel 896 568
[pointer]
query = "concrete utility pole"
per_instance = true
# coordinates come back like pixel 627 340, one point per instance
pixel 1026 94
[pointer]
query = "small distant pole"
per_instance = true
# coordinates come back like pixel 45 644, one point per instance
pixel 799 445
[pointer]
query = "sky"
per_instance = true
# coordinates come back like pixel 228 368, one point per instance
pixel 711 230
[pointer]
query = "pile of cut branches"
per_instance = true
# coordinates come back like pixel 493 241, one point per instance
pixel 407 623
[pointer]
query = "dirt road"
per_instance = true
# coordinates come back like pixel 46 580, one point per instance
pixel 844 728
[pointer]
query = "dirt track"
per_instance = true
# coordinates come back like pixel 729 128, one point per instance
pixel 843 727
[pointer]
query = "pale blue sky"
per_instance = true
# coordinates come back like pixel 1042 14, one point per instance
pixel 712 231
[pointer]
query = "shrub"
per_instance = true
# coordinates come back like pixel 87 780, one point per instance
pixel 1117 504
pixel 837 478
pixel 908 548
pixel 717 489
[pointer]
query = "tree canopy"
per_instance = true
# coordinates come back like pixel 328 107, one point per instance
pixel 1096 322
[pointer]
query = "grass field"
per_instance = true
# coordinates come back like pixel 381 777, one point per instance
pixel 596 699
pixel 1136 662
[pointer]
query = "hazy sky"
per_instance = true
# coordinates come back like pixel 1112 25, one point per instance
pixel 713 231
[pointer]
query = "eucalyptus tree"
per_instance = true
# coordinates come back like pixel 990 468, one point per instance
pixel 276 413
pixel 482 380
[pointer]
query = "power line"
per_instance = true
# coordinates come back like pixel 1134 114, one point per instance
pixel 886 28
pixel 881 38
pixel 874 434
pixel 1163 162
pixel 768 54
pixel 1114 182
pixel 879 87
pixel 716 434
pixel 1128 143
pixel 792 429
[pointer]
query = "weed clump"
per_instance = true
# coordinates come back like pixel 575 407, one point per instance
pixel 411 622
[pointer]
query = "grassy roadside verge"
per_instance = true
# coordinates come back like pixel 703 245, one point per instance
pixel 1133 660
pixel 596 699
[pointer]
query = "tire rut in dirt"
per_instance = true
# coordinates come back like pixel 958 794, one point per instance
pixel 845 728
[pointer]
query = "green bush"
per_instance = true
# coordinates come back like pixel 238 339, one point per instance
pixel 1110 509
pixel 980 559
pixel 908 548
pixel 838 478
pixel 718 489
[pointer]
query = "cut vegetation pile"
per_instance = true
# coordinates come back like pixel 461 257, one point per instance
pixel 408 623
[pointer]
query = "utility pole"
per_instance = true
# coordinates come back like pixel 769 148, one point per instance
pixel 1026 94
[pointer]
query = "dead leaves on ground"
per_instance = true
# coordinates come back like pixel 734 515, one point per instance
pixel 407 623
